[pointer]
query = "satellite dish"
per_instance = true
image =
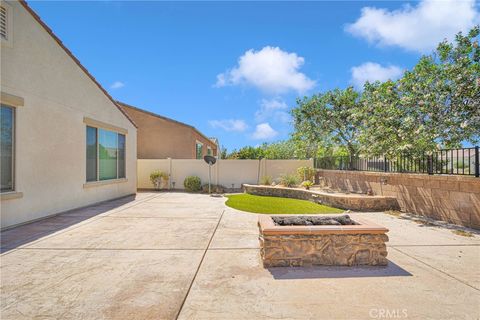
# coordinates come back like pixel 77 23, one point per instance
pixel 210 160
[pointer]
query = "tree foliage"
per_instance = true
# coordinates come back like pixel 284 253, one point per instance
pixel 294 148
pixel 434 105
pixel 330 118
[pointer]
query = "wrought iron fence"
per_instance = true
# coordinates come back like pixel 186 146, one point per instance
pixel 464 161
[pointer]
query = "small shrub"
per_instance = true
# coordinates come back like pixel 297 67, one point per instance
pixel 157 176
pixel 394 213
pixel 306 173
pixel 266 180
pixel 307 184
pixel 289 180
pixel 463 233
pixel 192 184
pixel 214 188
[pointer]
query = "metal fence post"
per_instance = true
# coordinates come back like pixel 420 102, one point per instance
pixel 477 163
pixel 385 164
pixel 430 164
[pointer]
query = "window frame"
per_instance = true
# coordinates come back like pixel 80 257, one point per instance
pixel 117 133
pixel 96 155
pixel 209 151
pixel 14 147
pixel 198 143
pixel 124 155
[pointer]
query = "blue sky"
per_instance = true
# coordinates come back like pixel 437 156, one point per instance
pixel 234 69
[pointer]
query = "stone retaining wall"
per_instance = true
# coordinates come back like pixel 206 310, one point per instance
pixel 356 202
pixel 454 199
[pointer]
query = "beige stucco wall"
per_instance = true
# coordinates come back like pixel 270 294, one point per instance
pixel 50 130
pixel 224 172
pixel 276 168
pixel 160 138
pixel 453 199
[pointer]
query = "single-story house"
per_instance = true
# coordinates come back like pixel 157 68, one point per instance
pixel 65 143
pixel 159 137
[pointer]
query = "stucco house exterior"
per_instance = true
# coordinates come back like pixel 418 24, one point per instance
pixel 65 143
pixel 159 137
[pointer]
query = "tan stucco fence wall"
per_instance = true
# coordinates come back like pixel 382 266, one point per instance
pixel 224 172
pixel 454 199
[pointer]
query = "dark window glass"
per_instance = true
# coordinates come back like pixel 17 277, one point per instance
pixel 91 154
pixel 121 156
pixel 199 151
pixel 6 147
pixel 107 154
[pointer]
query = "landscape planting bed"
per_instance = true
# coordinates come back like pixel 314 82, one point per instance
pixel 352 201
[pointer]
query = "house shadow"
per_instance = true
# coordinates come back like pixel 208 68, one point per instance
pixel 324 272
pixel 18 236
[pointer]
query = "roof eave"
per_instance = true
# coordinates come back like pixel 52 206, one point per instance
pixel 49 31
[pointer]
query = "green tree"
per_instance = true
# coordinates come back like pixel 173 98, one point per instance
pixel 223 152
pixel 444 90
pixel 387 127
pixel 247 152
pixel 286 149
pixel 329 119
pixel 436 104
pixel 280 150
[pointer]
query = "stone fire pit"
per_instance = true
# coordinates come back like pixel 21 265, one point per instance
pixel 321 240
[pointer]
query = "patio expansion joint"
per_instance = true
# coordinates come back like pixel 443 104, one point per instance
pixel 199 265
pixel 219 249
pixel 173 217
pixel 110 249
pixel 434 245
pixel 436 269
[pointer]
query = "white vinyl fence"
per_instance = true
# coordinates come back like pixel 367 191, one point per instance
pixel 228 173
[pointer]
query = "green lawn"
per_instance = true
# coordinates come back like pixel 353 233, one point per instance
pixel 276 205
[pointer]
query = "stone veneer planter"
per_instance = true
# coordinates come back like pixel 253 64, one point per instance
pixel 357 202
pixel 339 245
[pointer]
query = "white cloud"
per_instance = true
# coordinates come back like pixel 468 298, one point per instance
pixel 264 131
pixel 416 28
pixel 272 109
pixel 370 71
pixel 270 69
pixel 236 125
pixel 117 85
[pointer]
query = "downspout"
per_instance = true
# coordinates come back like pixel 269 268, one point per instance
pixel 217 169
pixel 258 172
pixel 169 173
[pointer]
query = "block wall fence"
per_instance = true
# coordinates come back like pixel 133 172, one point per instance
pixel 454 199
pixel 228 173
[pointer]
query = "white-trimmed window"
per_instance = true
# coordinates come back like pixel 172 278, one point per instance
pixel 209 151
pixel 105 154
pixel 7 148
pixel 199 149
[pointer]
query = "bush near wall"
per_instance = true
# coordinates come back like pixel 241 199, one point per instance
pixel 192 184
pixel 306 173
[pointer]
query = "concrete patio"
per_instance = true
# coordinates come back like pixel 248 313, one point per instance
pixel 188 256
